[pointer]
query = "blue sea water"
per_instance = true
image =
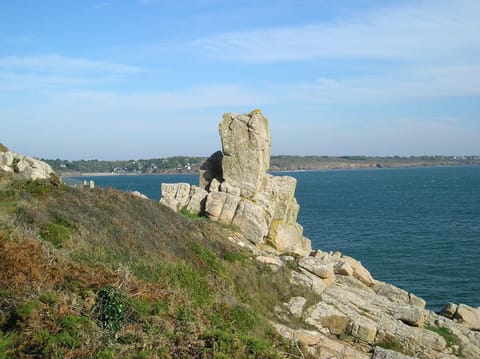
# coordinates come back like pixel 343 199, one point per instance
pixel 417 228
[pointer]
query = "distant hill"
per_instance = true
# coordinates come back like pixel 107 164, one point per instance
pixel 185 164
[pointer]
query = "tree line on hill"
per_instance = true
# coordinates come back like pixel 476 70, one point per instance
pixel 185 164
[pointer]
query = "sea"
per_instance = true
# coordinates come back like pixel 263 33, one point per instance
pixel 416 228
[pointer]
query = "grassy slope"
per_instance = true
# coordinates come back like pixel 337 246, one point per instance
pixel 104 274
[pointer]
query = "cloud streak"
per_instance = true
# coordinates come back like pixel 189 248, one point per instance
pixel 195 97
pixel 435 28
pixel 58 63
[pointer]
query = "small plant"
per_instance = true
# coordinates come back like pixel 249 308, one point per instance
pixel 15 162
pixel 49 298
pixel 111 308
pixel 29 309
pixel 185 212
pixel 3 148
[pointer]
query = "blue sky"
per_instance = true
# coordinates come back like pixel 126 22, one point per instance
pixel 151 78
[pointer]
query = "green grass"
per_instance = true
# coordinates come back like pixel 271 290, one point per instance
pixel 450 338
pixel 392 345
pixel 185 212
pixel 7 343
pixel 56 234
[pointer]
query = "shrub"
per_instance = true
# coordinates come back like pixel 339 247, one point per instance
pixel 3 148
pixel 111 308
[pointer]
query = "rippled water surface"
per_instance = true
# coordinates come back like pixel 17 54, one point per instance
pixel 417 228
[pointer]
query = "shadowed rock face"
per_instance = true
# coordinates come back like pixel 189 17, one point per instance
pixel 211 169
pixel 240 192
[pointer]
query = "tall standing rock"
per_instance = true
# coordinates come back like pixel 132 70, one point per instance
pixel 246 147
pixel 236 189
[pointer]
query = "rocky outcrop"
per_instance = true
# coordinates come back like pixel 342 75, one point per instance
pixel 361 316
pixel 235 188
pixel 342 312
pixel 462 313
pixel 29 167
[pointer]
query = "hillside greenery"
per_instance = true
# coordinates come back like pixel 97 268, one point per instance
pixel 182 164
pixel 103 274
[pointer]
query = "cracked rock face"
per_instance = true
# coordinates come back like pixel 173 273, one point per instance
pixel 246 146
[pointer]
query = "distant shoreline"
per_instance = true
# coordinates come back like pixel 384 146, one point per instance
pixel 319 168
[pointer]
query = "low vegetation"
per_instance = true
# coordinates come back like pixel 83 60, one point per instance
pixel 99 273
pixel 451 340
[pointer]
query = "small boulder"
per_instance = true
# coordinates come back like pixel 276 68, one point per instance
pixel 196 202
pixel 468 316
pixel 175 195
pixel 323 315
pixel 449 310
pixel 295 306
pixel 250 218
pixel 274 262
pixel 318 267
pixel 409 315
pixel 380 353
pixel 308 280
pixel 138 195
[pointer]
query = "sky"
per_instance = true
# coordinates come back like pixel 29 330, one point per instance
pixel 132 79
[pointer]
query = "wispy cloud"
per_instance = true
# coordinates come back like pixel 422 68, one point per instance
pixel 407 84
pixel 58 63
pixel 47 72
pixel 194 97
pixel 430 29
